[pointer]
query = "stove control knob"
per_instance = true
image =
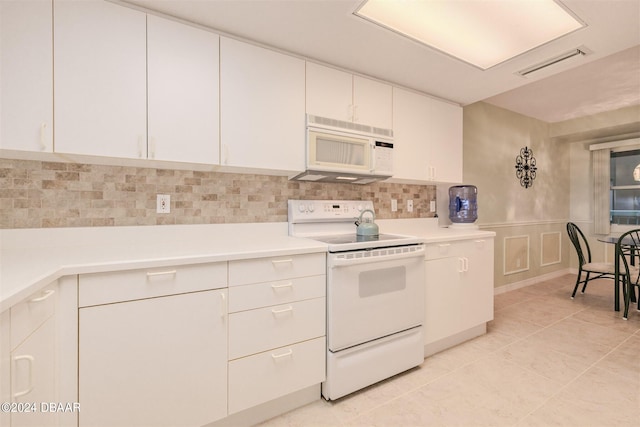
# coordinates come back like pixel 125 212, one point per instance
pixel 311 207
pixel 301 208
pixel 360 208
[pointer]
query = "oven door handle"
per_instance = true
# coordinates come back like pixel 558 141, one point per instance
pixel 343 260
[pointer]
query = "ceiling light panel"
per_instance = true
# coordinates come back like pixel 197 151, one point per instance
pixel 482 33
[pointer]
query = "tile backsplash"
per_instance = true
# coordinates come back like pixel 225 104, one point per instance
pixel 37 194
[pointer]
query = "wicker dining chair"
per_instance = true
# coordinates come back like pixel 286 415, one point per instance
pixel 628 249
pixel 592 270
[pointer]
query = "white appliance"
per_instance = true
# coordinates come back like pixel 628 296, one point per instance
pixel 346 152
pixel 375 295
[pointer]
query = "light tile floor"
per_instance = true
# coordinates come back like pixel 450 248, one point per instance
pixel 546 360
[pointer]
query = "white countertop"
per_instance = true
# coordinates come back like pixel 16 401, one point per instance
pixel 33 258
pixel 429 230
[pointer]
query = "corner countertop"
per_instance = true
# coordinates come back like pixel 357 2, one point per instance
pixel 33 258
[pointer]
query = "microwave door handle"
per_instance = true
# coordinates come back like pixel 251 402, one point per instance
pixel 372 152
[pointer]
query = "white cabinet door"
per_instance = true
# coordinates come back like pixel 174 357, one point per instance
pixel 372 101
pixel 459 292
pixel 26 66
pixel 428 138
pixel 329 92
pixel 443 315
pixel 100 79
pixel 183 79
pixel 33 376
pixel 342 96
pixel 159 361
pixel 478 281
pixel 262 121
pixel 445 138
pixel 5 365
pixel 410 128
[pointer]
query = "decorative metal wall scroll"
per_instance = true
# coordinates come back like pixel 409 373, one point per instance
pixel 526 167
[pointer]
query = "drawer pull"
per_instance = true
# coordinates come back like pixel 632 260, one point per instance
pixel 162 273
pixel 29 389
pixel 46 294
pixel 282 261
pixel 444 245
pixel 285 285
pixel 284 310
pixel 280 356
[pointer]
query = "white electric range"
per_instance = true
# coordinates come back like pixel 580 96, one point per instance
pixel 375 295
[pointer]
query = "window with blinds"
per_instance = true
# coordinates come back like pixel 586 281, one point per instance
pixel 624 196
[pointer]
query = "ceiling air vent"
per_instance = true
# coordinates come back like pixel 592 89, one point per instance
pixel 573 53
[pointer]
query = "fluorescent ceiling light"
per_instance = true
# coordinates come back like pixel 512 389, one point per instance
pixel 483 33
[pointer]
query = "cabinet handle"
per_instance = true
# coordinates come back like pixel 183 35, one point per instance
pixel 282 261
pixel 460 265
pixel 152 147
pixel 43 143
pixel 46 294
pixel 286 285
pixel 30 361
pixel 162 273
pixel 284 310
pixel 280 356
pixel 466 264
pixel 140 143
pixel 223 305
pixel 225 154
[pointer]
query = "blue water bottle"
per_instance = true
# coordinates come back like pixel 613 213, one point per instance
pixel 463 204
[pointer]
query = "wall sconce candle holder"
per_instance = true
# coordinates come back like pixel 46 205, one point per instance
pixel 526 167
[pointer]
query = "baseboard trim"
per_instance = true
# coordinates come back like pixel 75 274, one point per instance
pixel 533 281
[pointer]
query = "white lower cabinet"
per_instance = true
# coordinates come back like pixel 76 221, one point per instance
pixel 265 376
pixel 459 288
pixel 33 359
pixel 277 325
pixel 159 361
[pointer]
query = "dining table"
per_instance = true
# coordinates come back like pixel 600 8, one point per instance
pixel 613 240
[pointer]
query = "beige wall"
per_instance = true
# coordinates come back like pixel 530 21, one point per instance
pixel 493 138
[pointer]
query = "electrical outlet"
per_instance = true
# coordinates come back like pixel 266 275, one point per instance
pixel 163 204
pixel 409 205
pixel 394 205
pixel 432 205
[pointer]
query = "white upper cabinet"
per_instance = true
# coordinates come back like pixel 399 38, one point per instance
pixel 183 78
pixel 261 108
pixel 100 79
pixel 428 138
pixel 342 96
pixel 26 66
pixel 445 135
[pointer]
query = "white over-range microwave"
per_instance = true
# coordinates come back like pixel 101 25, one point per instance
pixel 346 152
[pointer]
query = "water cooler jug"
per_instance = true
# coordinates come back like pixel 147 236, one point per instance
pixel 463 206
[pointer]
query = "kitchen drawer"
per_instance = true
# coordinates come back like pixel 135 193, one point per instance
pixel 259 330
pixel 248 297
pixel 272 374
pixel 105 288
pixel 443 250
pixel 257 270
pixel 28 315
